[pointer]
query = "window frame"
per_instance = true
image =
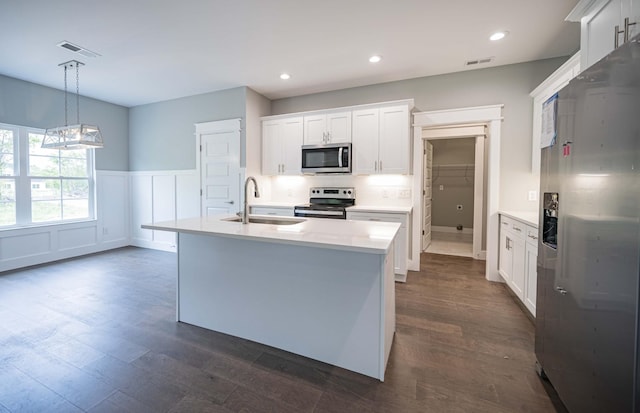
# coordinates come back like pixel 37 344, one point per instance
pixel 23 180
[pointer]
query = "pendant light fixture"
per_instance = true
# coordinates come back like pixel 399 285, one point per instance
pixel 80 135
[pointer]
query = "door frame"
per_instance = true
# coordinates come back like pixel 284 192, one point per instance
pixel 218 126
pixel 478 133
pixel 492 117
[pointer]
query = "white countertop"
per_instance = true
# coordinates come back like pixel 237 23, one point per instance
pixel 359 236
pixel 372 208
pixel 270 204
pixel 530 218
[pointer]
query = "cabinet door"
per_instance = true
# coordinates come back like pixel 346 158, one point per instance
pixel 531 290
pixel 506 256
pixel 401 244
pixel 518 267
pixel 315 129
pixel 597 32
pixel 365 141
pixel 394 142
pixel 271 147
pixel 291 140
pixel 339 127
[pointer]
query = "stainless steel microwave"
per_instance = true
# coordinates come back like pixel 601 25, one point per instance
pixel 326 159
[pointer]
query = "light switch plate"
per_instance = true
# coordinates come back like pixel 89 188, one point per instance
pixel 533 195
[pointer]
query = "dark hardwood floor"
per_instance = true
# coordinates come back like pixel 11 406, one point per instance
pixel 98 334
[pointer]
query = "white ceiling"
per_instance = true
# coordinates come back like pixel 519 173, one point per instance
pixel 154 50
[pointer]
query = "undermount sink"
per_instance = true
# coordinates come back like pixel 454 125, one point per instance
pixel 267 220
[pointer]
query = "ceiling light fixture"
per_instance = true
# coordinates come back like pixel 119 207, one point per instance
pixel 80 135
pixel 498 36
pixel 375 59
pixel 285 76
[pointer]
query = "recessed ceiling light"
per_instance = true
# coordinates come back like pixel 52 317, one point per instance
pixel 285 76
pixel 375 59
pixel 498 36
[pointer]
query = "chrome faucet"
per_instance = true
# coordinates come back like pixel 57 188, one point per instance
pixel 245 211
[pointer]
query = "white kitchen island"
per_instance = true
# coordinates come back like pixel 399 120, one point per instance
pixel 321 288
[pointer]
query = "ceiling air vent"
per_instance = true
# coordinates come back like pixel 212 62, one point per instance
pixel 77 49
pixel 479 61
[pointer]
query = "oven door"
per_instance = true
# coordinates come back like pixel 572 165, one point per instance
pixel 320 213
pixel 334 158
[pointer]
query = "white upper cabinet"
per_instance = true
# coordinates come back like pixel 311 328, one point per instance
pixel 327 128
pixel 379 132
pixel 366 132
pixel 381 140
pixel 604 25
pixel 281 143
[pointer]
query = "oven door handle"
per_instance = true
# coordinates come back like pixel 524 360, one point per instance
pixel 340 156
pixel 304 212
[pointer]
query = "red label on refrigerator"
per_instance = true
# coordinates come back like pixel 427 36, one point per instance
pixel 566 149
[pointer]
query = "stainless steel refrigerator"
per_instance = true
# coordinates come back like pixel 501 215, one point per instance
pixel 589 239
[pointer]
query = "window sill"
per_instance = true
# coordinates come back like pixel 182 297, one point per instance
pixel 49 225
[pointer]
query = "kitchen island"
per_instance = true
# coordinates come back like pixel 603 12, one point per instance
pixel 320 288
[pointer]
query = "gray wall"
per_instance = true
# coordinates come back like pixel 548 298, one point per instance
pixel 457 182
pixel 161 135
pixel 509 85
pixel 28 104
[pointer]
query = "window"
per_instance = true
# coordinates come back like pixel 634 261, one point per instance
pixel 7 177
pixel 45 186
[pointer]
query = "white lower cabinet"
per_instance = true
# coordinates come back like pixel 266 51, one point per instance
pixel 401 244
pixel 275 211
pixel 517 259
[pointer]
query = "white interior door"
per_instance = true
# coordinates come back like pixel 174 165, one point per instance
pixel 426 194
pixel 219 144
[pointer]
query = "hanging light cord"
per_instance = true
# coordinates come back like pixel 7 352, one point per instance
pixel 78 93
pixel 66 93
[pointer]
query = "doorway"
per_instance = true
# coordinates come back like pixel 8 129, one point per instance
pixel 454 190
pixel 491 116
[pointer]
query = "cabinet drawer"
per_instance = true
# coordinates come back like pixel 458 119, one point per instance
pixel 382 217
pixel 515 227
pixel 532 235
pixel 282 212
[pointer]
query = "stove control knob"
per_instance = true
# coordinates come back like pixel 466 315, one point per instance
pixel 344 192
pixel 349 192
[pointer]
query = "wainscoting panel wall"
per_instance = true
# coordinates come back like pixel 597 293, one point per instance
pixel 23 247
pixel 161 196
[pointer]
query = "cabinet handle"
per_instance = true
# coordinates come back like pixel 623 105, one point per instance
pixel 375 165
pixel 229 202
pixel 517 229
pixel 561 290
pixel 508 243
pixel 505 223
pixel 626 28
pixel 380 166
pixel 532 237
pixel 616 36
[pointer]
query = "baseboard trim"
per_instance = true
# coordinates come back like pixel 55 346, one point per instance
pixel 451 230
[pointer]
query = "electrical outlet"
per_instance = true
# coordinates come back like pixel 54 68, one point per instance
pixel 385 193
pixel 459 207
pixel 442 187
pixel 404 193
pixel 105 231
pixel 533 195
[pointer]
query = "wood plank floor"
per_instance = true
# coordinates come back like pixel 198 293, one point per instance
pixel 97 334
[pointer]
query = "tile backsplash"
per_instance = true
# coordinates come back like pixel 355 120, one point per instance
pixel 381 190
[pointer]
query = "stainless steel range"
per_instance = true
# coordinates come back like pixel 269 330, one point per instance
pixel 329 202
